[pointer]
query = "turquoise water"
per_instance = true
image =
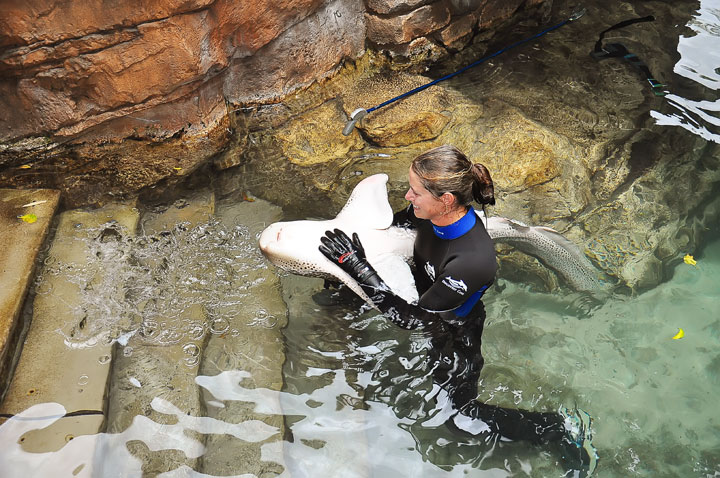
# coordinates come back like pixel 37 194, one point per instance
pixel 652 397
pixel 359 403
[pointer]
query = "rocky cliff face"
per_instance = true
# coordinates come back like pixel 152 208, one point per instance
pixel 92 74
pixel 69 67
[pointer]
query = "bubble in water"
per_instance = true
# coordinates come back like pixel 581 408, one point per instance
pixel 149 329
pixel 127 351
pixel 193 354
pixel 263 319
pixel 83 380
pixel 219 326
pixel 44 287
pixel 169 336
pixel 104 359
pixel 196 330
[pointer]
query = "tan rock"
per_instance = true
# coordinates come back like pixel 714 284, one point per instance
pixel 317 137
pixel 53 367
pixel 256 347
pixel 416 118
pixel 148 368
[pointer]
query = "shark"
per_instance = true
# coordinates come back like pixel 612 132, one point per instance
pixel 293 245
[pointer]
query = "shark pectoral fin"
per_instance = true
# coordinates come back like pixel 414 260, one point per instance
pixel 368 205
pixel 351 283
pixel 397 275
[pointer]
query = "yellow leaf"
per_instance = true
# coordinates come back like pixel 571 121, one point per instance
pixel 25 166
pixel 689 260
pixel 29 218
pixel 679 335
pixel 177 169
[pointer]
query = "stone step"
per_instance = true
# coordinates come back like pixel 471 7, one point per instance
pixel 20 242
pixel 61 362
pixel 71 360
pixel 255 348
pixel 143 371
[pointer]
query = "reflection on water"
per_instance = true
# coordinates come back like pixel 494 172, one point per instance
pixel 699 62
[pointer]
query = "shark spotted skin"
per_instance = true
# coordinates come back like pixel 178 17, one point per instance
pixel 551 248
pixel 293 246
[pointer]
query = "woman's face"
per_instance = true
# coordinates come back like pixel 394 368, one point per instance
pixel 425 205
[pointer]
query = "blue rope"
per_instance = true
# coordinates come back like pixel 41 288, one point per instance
pixel 447 77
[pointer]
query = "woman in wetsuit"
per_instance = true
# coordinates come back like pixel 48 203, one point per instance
pixel 454 265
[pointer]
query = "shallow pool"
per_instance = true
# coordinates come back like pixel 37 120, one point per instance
pixel 218 364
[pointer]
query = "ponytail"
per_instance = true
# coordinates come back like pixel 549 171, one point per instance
pixel 482 188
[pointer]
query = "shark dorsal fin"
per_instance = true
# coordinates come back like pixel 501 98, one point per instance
pixel 368 204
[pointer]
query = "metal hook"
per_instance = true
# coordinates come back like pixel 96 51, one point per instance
pixel 356 116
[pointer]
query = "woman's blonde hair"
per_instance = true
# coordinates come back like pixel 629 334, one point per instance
pixel 447 169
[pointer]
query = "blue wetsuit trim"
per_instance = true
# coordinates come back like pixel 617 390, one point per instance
pixel 465 309
pixel 457 228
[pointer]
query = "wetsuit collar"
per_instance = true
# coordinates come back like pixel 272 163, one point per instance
pixel 457 228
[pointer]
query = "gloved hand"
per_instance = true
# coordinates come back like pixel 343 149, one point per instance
pixel 349 255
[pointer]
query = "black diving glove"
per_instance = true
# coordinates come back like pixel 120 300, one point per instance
pixel 349 255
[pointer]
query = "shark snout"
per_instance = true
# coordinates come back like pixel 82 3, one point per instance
pixel 269 237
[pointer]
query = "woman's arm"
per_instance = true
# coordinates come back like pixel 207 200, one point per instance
pixel 349 255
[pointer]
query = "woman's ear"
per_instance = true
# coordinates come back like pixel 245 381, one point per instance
pixel 447 199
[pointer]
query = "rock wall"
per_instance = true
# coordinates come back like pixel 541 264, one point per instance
pixel 77 78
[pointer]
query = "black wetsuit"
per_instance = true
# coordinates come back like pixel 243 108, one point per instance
pixel 454 265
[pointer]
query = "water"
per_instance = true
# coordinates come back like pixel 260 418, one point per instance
pixel 699 60
pixel 354 397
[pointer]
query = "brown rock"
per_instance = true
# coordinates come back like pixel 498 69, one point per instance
pixel 459 32
pixel 68 69
pixel 41 22
pixel 310 51
pixel 497 11
pixel 461 7
pixel 419 53
pixel 385 7
pixel 404 28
